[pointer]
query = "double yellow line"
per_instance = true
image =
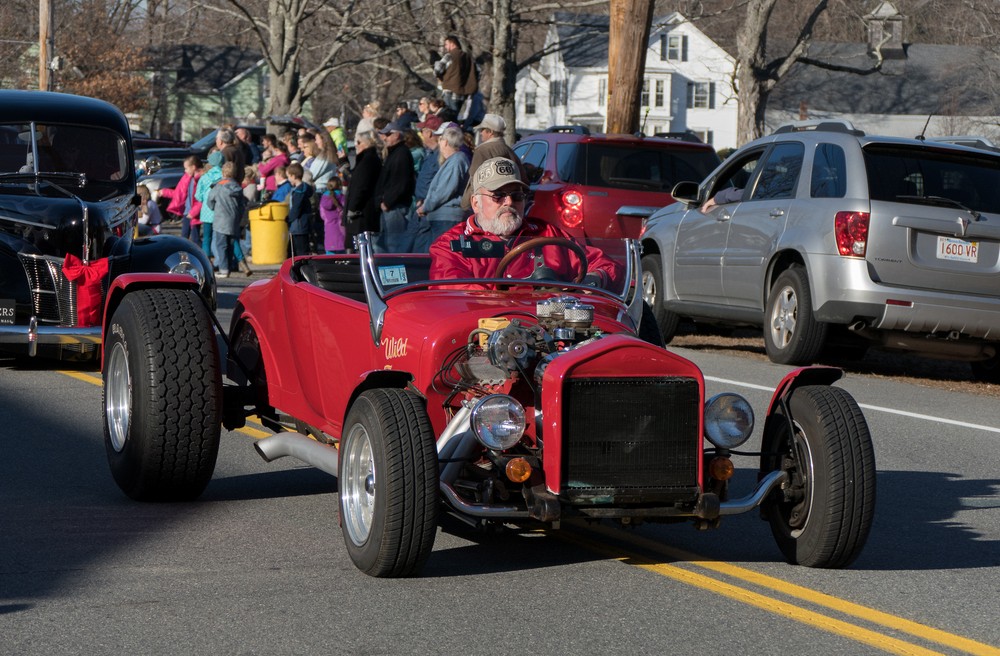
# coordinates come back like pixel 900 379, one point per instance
pixel 773 604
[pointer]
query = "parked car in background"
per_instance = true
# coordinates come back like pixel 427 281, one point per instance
pixel 68 213
pixel 581 181
pixel 821 232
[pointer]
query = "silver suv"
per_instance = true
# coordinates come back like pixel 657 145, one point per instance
pixel 819 232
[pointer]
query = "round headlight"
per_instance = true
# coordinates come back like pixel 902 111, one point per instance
pixel 181 262
pixel 728 420
pixel 498 421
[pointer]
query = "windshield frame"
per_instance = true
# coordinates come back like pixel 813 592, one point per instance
pixel 378 295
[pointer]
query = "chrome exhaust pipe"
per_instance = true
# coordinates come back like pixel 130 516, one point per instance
pixel 322 457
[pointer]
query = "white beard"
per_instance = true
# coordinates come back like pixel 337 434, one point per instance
pixel 503 223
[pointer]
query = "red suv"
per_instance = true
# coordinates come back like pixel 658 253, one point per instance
pixel 579 180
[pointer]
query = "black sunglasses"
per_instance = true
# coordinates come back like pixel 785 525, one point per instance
pixel 515 196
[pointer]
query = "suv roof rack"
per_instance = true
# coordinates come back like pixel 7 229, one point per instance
pixel 821 125
pixel 569 129
pixel 967 140
pixel 686 135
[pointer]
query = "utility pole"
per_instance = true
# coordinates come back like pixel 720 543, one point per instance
pixel 627 45
pixel 46 43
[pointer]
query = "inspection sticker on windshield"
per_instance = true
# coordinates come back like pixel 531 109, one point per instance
pixel 392 275
pixel 6 311
pixel 949 248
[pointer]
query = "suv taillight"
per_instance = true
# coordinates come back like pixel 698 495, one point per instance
pixel 851 229
pixel 571 208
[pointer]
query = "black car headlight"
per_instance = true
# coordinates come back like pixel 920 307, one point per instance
pixel 181 262
pixel 498 421
pixel 728 420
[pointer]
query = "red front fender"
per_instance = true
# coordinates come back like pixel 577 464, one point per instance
pixel 803 376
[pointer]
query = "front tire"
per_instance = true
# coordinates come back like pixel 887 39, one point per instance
pixel 162 395
pixel 653 288
pixel 388 483
pixel 791 333
pixel 822 515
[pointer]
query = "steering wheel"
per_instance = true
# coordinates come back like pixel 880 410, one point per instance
pixel 538 242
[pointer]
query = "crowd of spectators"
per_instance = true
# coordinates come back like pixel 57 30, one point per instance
pixel 408 180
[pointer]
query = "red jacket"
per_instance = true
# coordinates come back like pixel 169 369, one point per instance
pixel 449 265
pixel 178 197
pixel 266 169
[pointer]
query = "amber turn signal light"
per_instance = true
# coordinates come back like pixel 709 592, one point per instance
pixel 518 470
pixel 721 468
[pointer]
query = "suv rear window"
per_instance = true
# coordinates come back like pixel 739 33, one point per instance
pixel 644 168
pixel 914 175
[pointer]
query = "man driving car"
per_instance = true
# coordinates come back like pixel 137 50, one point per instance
pixel 475 248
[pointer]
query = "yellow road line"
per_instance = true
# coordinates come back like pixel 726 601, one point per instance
pixel 814 597
pixel 769 604
pixel 87 378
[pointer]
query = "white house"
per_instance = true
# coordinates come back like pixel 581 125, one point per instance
pixel 687 86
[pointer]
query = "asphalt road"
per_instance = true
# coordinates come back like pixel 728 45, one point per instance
pixel 258 566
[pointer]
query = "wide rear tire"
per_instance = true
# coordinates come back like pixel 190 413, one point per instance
pixel 653 288
pixel 822 515
pixel 388 483
pixel 162 395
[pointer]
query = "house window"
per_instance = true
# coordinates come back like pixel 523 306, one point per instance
pixel 602 92
pixel 701 95
pixel 558 93
pixel 530 98
pixel 644 100
pixel 673 47
pixel 658 98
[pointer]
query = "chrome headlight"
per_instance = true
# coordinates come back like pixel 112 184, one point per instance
pixel 181 262
pixel 728 420
pixel 498 421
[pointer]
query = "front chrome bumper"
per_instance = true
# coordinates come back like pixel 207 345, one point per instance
pixel 31 335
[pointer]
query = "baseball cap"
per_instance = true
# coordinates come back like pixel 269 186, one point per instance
pixel 445 126
pixel 395 126
pixel 432 122
pixel 492 122
pixel 495 173
pixel 332 122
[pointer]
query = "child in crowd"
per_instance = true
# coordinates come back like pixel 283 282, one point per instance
pixel 331 209
pixel 299 210
pixel 182 200
pixel 149 213
pixel 282 185
pixel 227 202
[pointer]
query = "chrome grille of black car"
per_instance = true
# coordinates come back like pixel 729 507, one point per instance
pixel 630 438
pixel 53 296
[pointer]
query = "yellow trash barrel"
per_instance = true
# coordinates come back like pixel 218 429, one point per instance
pixel 269 233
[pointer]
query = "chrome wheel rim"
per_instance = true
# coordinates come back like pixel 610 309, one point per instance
pixel 358 485
pixel 117 396
pixel 802 480
pixel 648 288
pixel 784 315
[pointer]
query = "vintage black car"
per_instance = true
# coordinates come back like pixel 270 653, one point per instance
pixel 68 213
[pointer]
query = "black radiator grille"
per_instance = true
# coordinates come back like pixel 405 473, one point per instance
pixel 53 297
pixel 623 436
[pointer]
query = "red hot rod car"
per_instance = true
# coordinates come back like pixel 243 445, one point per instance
pixel 505 401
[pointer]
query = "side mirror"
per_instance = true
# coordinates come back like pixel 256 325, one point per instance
pixel 686 192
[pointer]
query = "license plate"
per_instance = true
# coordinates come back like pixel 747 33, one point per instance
pixel 7 309
pixel 392 275
pixel 950 248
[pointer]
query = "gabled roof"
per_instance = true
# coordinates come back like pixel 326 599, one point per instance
pixel 203 69
pixel 930 79
pixel 584 38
